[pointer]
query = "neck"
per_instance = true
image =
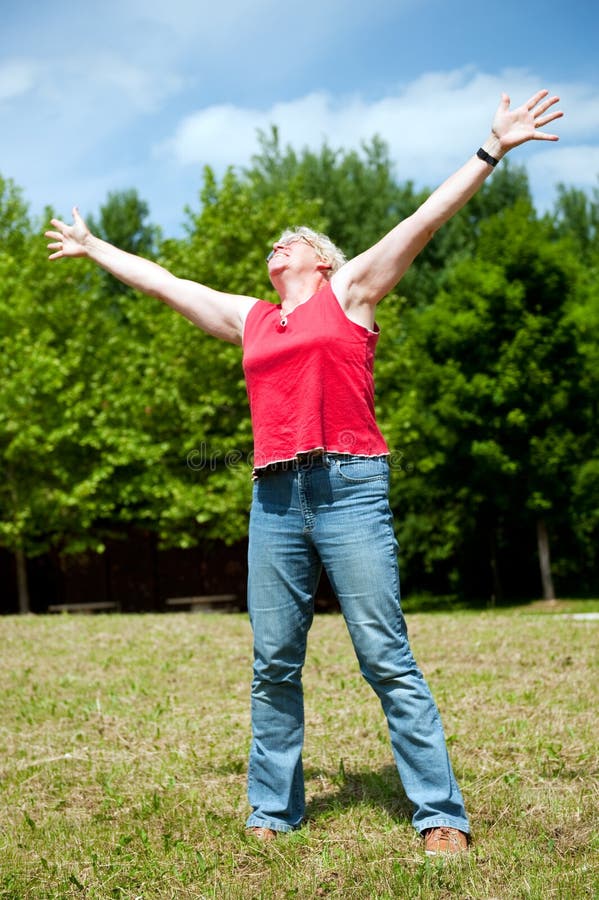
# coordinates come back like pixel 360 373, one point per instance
pixel 293 291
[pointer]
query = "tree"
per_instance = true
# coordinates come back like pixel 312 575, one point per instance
pixel 359 199
pixel 200 409
pixel 576 217
pixel 115 412
pixel 69 401
pixel 577 222
pixel 123 221
pixel 496 405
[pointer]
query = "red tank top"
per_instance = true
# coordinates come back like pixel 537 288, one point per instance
pixel 310 382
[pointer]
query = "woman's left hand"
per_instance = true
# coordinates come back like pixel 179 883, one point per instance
pixel 512 127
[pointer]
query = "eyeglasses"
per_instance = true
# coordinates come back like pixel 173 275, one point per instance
pixel 292 240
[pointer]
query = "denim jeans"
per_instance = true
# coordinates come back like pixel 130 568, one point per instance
pixel 334 512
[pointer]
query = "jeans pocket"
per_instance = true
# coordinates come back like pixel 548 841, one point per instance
pixel 359 470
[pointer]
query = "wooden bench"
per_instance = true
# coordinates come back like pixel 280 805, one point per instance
pixel 205 603
pixel 97 606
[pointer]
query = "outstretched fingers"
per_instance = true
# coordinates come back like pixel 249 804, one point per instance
pixel 538 105
pixel 532 102
pixel 67 240
pixel 543 135
pixel 544 106
pixel 56 238
pixel 541 121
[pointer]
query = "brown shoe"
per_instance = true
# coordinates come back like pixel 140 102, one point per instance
pixel 263 834
pixel 444 840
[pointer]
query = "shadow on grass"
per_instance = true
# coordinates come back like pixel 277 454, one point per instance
pixel 380 788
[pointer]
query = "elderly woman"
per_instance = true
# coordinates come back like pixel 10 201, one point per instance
pixel 321 481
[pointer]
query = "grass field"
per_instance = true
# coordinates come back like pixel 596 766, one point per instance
pixel 123 746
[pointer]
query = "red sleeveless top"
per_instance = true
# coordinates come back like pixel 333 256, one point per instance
pixel 310 381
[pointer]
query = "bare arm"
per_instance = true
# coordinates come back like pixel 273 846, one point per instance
pixel 215 312
pixel 365 280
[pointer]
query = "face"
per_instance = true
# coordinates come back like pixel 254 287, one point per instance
pixel 295 253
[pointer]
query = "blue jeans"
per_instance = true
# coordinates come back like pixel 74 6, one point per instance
pixel 334 512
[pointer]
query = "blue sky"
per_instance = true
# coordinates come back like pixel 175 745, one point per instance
pixel 138 93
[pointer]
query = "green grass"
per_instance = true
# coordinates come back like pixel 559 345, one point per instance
pixel 123 746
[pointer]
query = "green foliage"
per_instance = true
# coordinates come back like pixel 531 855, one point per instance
pixel 122 222
pixel 577 217
pixel 69 405
pixel 15 227
pixel 203 409
pixel 357 194
pixel 116 412
pixel 496 418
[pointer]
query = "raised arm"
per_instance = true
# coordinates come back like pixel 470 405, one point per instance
pixel 215 312
pixel 365 280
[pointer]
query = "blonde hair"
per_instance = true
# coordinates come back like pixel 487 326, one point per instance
pixel 323 245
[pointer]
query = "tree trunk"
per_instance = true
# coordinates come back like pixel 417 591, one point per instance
pixel 545 560
pixel 22 584
pixel 497 591
pixel 21 559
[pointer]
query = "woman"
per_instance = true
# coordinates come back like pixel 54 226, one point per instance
pixel 321 481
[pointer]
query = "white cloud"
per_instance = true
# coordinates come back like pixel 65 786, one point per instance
pixel 222 134
pixel 581 104
pixel 576 166
pixel 17 76
pixel 430 124
pixel 187 19
pixel 145 88
pixel 82 108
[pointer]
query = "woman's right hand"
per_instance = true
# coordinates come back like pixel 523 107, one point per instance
pixel 68 240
